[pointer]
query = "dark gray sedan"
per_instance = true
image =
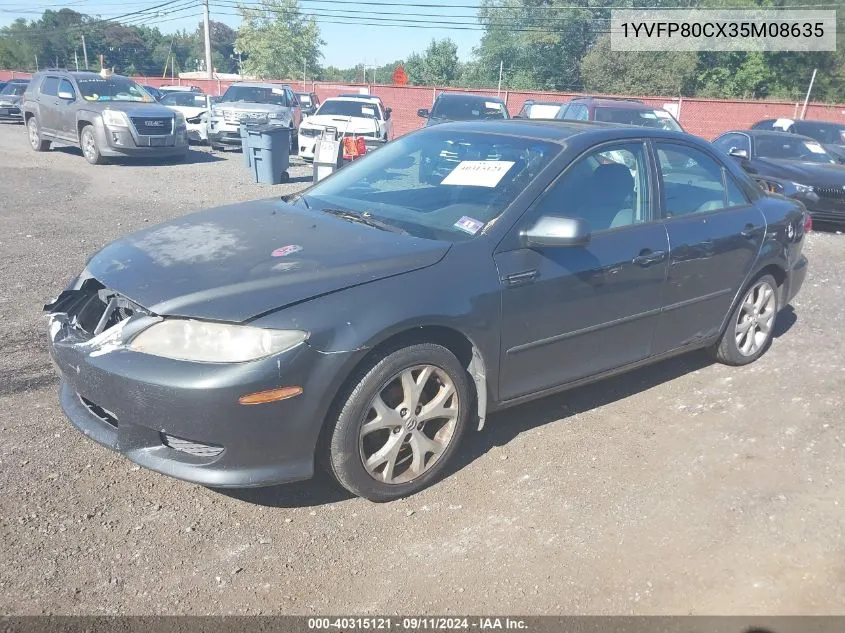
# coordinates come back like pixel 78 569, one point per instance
pixel 367 323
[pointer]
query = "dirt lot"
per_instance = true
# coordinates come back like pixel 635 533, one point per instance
pixel 687 487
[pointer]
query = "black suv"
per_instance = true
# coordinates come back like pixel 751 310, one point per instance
pixel 830 135
pixel 105 115
pixel 458 106
pixel 624 111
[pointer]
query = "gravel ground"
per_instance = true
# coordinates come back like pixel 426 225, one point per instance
pixel 686 487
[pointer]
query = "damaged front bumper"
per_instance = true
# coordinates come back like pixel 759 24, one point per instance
pixel 180 418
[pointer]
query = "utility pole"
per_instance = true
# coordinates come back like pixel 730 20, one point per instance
pixel 809 90
pixel 501 68
pixel 36 63
pixel 304 73
pixel 208 68
pixel 84 52
pixel 76 60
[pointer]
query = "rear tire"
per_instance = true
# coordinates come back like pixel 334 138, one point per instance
pixel 34 131
pixel 90 149
pixel 401 423
pixel 751 325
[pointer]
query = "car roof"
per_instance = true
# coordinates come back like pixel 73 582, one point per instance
pixel 539 102
pixel 468 95
pixel 755 133
pixel 559 131
pixel 622 104
pixel 258 84
pixel 353 99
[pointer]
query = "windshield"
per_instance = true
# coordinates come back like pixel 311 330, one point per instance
pixel 437 185
pixel 186 99
pixel 111 89
pixel 255 94
pixel 15 89
pixel 457 108
pixel 643 118
pixel 827 133
pixel 363 109
pixel 785 148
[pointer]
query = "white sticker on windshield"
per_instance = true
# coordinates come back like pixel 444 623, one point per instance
pixel 369 111
pixel 478 173
pixel 662 115
pixel 492 105
pixel 469 225
pixel 277 91
pixel 648 115
pixel 815 148
pixel 783 123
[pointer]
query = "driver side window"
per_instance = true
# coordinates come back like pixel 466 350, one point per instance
pixel 693 182
pixel 609 188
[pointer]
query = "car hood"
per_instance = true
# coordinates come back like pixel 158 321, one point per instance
pixel 236 262
pixel 349 124
pixel 10 99
pixel 805 173
pixel 132 108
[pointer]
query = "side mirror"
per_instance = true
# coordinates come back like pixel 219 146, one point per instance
pixel 423 112
pixel 65 96
pixel 738 153
pixel 552 231
pixel 387 114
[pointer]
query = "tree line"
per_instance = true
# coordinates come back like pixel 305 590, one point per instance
pixel 547 45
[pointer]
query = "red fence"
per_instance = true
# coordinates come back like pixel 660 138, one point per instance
pixel 703 117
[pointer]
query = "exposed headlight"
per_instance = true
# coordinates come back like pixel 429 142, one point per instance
pixel 802 188
pixel 199 341
pixel 276 115
pixel 115 118
pixel 180 118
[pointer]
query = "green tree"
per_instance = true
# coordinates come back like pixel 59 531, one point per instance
pixel 440 65
pixel 638 73
pixel 276 38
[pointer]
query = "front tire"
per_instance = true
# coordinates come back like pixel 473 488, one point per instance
pixel 401 423
pixel 751 325
pixel 90 149
pixel 34 133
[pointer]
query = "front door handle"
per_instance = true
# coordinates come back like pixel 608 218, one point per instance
pixel 647 258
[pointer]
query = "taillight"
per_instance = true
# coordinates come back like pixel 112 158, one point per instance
pixel 353 147
pixel 808 222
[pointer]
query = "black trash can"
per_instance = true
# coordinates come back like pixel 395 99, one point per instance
pixel 269 148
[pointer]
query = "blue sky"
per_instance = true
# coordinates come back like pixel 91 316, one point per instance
pixel 346 45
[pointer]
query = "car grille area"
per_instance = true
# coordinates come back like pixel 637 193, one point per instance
pixel 103 414
pixel 833 193
pixel 191 447
pixel 234 118
pixel 153 126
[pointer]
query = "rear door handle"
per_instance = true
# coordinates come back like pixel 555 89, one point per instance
pixel 518 279
pixel 646 258
pixel 749 231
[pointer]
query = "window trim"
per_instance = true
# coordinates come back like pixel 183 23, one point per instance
pixel 722 168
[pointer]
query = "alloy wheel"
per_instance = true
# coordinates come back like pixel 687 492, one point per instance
pixel 755 319
pixel 409 424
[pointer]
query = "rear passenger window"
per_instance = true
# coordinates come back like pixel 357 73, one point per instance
pixel 50 87
pixel 576 113
pixel 736 197
pixel 693 182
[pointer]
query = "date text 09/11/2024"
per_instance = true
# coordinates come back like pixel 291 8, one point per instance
pixel 415 623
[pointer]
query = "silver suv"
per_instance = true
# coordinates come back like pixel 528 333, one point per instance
pixel 252 103
pixel 105 115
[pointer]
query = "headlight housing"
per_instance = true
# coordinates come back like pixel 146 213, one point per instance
pixel 205 342
pixel 277 116
pixel 799 188
pixel 115 118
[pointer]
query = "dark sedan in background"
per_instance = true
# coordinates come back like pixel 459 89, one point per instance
pixel 795 166
pixel 830 135
pixel 369 321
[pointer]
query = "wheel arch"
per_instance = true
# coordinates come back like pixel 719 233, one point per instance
pixel 457 342
pixel 776 270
